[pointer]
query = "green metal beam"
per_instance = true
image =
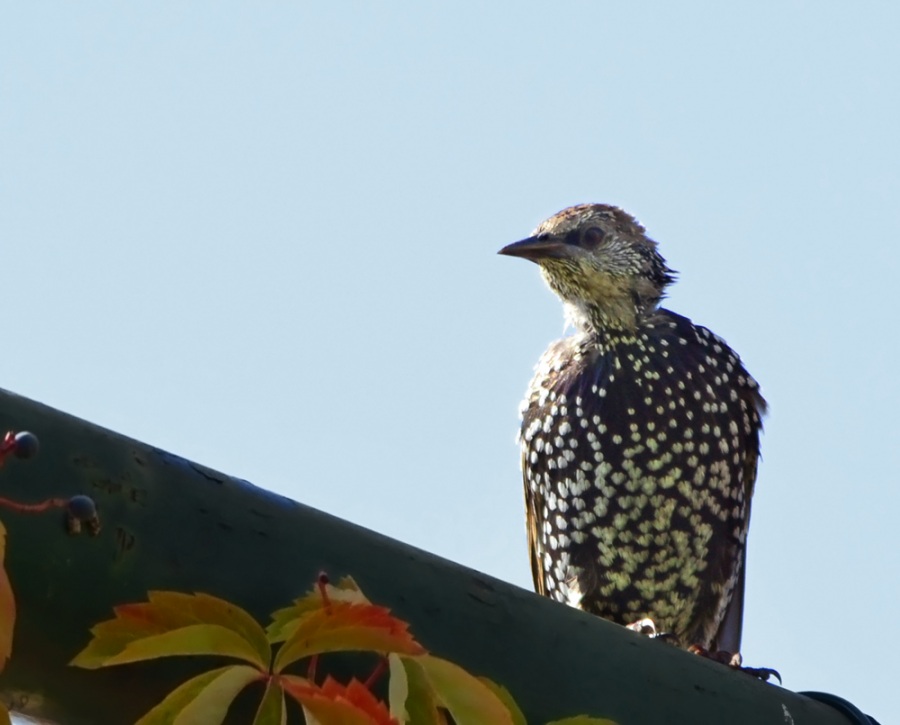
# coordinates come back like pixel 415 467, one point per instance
pixel 169 523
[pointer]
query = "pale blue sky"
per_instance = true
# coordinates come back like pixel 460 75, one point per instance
pixel 263 236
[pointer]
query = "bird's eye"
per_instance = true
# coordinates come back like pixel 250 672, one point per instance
pixel 592 238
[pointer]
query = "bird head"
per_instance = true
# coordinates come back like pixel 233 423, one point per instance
pixel 600 262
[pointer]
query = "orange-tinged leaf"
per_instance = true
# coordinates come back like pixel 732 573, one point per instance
pixel 4 716
pixel 582 720
pixel 204 699
pixel 410 695
pixel 7 605
pixel 344 626
pixel 334 713
pixel 335 704
pixel 468 699
pixel 207 625
pixel 271 709
pixel 196 639
pixel 284 621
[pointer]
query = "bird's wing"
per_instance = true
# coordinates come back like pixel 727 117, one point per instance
pixel 536 408
pixel 533 529
pixel 728 638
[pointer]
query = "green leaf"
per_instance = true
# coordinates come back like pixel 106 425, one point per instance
pixel 410 695
pixel 271 709
pixel 204 699
pixel 505 696
pixel 196 639
pixel 468 699
pixel 172 623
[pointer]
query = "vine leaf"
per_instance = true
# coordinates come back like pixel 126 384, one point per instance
pixel 271 709
pixel 466 697
pixel 7 606
pixel 172 623
pixel 505 696
pixel 284 621
pixel 344 626
pixel 410 694
pixel 422 689
pixel 335 704
pixel 204 699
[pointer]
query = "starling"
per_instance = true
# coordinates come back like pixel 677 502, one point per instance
pixel 639 438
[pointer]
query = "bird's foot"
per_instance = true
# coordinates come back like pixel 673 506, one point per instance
pixel 736 662
pixel 647 627
pixel 644 626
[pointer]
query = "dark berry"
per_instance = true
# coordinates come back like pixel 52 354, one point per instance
pixel 82 508
pixel 26 445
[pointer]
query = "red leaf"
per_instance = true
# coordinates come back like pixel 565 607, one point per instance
pixel 337 704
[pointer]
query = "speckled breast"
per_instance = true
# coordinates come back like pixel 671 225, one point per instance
pixel 639 456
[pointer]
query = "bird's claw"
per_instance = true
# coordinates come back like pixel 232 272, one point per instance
pixel 761 673
pixel 735 662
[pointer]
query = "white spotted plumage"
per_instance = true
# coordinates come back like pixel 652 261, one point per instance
pixel 640 440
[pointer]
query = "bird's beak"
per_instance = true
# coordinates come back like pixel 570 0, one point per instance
pixel 537 248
